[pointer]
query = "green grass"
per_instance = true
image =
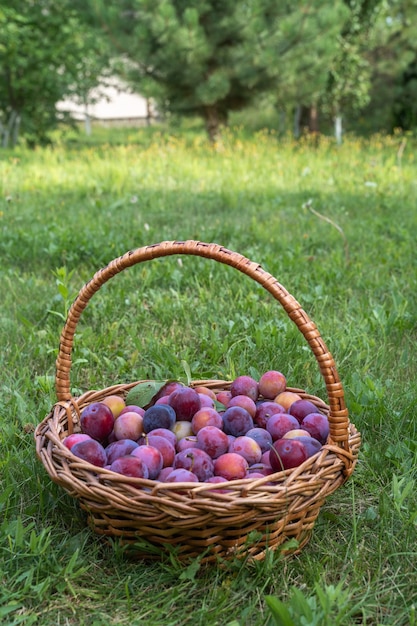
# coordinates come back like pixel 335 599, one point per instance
pixel 68 210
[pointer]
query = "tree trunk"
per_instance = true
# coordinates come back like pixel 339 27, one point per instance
pixel 282 121
pixel 338 129
pixel 297 120
pixel 87 123
pixel 16 128
pixel 214 120
pixel 87 117
pixel 149 112
pixel 313 121
pixel 4 135
pixel 10 130
pixel 307 119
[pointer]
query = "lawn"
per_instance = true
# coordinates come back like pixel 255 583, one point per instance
pixel 336 225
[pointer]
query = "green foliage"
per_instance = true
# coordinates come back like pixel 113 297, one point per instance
pixel 349 79
pixel 329 606
pixel 32 570
pixel 45 54
pixel 391 55
pixel 209 58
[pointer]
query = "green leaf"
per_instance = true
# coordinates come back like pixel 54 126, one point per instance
pixel 187 371
pixel 9 608
pixel 190 572
pixel 302 603
pixel 279 611
pixel 219 406
pixel 142 393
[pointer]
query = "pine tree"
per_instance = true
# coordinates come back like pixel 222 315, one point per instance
pixel 211 57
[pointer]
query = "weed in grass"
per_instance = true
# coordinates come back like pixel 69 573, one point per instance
pixel 329 606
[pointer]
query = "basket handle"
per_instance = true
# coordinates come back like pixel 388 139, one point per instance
pixel 338 413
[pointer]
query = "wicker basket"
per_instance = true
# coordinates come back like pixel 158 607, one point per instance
pixel 197 519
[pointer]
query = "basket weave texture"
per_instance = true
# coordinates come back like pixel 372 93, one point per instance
pixel 199 519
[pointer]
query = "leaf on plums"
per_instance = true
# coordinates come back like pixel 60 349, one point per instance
pixel 219 406
pixel 143 393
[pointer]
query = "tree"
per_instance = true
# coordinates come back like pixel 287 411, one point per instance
pixel 394 62
pixel 372 74
pixel 43 52
pixel 349 78
pixel 211 57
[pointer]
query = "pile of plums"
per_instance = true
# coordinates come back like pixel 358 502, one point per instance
pixel 192 434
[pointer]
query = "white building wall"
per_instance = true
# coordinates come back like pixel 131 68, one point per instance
pixel 114 102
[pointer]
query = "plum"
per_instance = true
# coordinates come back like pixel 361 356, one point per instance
pixel 237 421
pixel 181 475
pixel 158 416
pixel 260 468
pixel 254 474
pixel 163 432
pixel 296 432
pixel 196 461
pixel 245 386
pixel 248 448
pixel 279 424
pixel 205 391
pixel 215 480
pixel 213 441
pixel 230 439
pixel 317 425
pixel 90 450
pixel 271 384
pixel 122 447
pixel 264 410
pixel 310 444
pixel 165 447
pixel 111 438
pixel 186 443
pixel 262 437
pixel 97 420
pixel 224 397
pixel 130 466
pixel 231 466
pixel 185 402
pixel 206 401
pixel 151 457
pixel 163 400
pixel 164 473
pixel 206 416
pixel 128 426
pixel 265 457
pixel 167 389
pixel 286 398
pixel 286 454
pixel 115 403
pixel 301 408
pixel 245 402
pixel 133 407
pixel 182 428
pixel 71 440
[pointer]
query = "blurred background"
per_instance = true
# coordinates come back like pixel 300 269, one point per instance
pixel 299 67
